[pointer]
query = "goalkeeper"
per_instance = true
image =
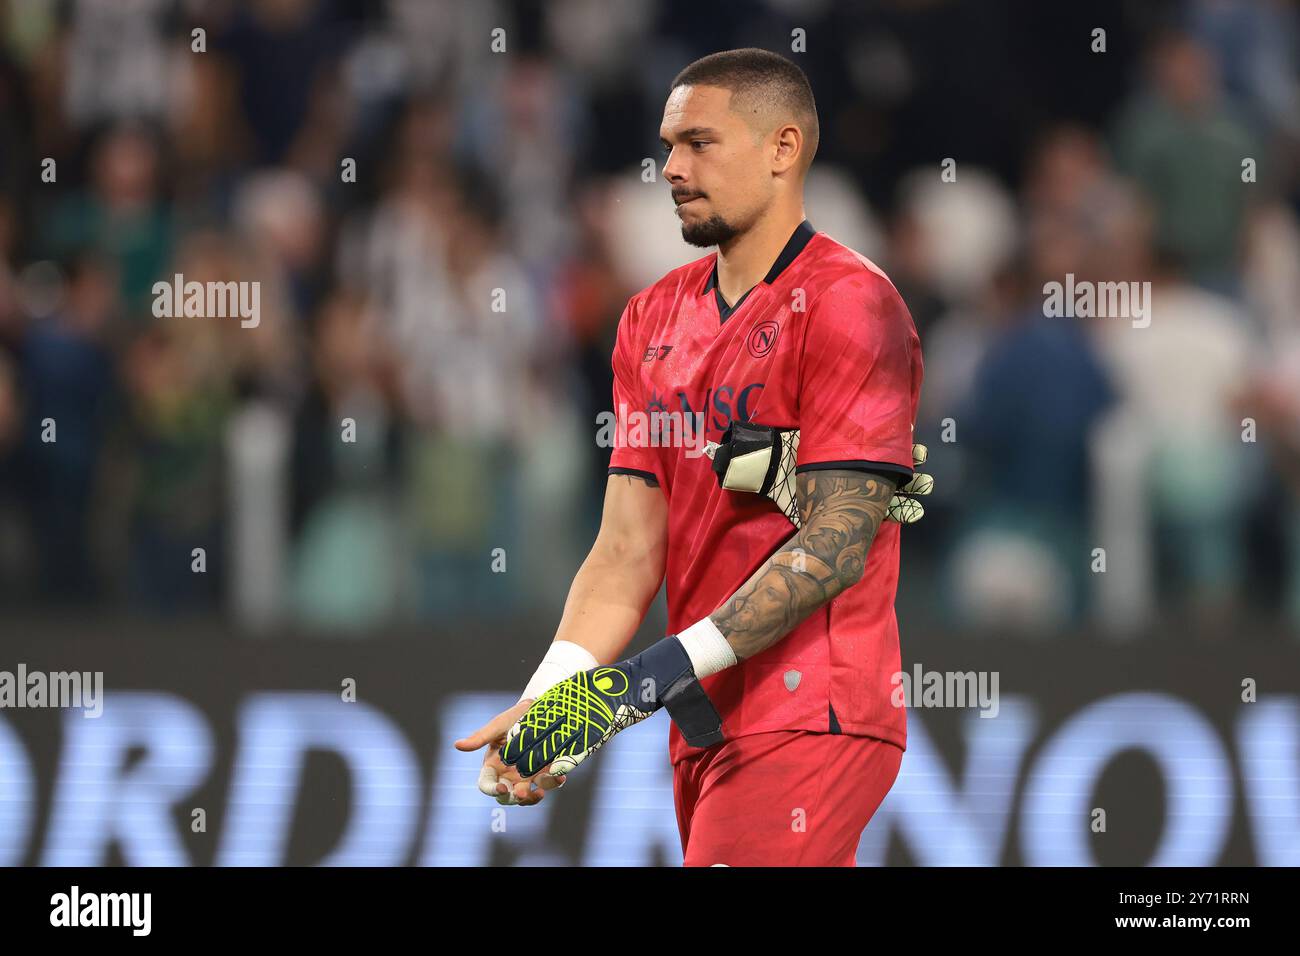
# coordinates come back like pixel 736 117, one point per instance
pixel 780 562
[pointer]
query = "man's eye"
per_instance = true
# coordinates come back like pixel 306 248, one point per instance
pixel 699 143
pixel 665 148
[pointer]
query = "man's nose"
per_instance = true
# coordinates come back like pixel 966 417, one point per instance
pixel 674 168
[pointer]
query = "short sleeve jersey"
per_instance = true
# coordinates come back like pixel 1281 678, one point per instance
pixel 823 344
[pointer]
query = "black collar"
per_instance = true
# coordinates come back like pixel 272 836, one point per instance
pixel 801 237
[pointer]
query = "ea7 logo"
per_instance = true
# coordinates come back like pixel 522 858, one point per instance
pixel 651 350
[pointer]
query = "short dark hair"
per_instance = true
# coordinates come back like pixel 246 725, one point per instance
pixel 766 76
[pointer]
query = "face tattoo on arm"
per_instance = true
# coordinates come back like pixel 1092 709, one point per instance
pixel 840 511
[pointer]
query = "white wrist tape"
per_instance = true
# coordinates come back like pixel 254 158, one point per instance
pixel 707 648
pixel 563 659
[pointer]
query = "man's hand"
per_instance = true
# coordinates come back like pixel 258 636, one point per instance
pixel 495 778
pixel 573 719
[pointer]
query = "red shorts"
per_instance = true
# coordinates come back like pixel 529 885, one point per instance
pixel 785 798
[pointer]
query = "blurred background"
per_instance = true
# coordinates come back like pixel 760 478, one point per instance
pixel 391 181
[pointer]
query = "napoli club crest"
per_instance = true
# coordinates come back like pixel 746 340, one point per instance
pixel 762 338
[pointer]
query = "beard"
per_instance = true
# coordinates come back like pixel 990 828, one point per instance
pixel 713 231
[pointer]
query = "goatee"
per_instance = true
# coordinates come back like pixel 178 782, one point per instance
pixel 711 232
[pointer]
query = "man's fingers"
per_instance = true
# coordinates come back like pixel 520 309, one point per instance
pixel 485 735
pixel 490 784
pixel 549 781
pixel 498 780
pixel 527 796
pixel 487 780
pixel 495 728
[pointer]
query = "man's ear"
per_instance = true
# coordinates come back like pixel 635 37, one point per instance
pixel 788 148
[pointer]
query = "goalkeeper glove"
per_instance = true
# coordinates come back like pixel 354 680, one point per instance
pixel 574 718
pixel 761 459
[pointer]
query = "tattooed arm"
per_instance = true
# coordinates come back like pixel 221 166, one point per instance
pixel 841 511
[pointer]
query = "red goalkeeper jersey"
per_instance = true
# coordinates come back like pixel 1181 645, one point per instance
pixel 823 344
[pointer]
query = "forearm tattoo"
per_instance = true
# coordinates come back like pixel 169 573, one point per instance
pixel 841 511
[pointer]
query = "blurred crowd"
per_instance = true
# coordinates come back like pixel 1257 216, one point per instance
pixel 445 224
